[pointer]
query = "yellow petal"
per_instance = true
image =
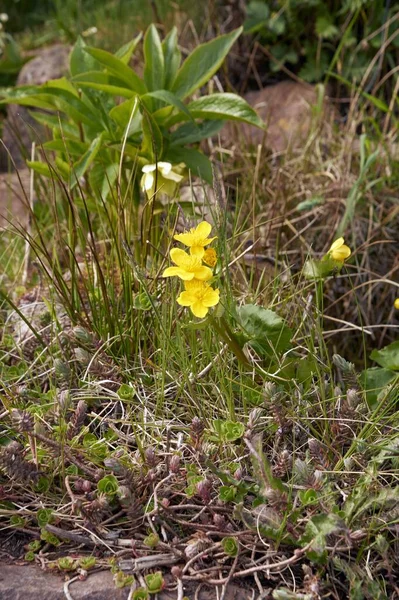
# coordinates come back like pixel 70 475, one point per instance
pixel 203 229
pixel 211 297
pixel 197 251
pixel 199 310
pixel 178 272
pixel 337 244
pixel 396 303
pixel 341 253
pixel 186 299
pixel 179 257
pixel 203 273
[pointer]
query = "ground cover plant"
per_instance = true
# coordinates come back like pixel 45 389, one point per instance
pixel 192 400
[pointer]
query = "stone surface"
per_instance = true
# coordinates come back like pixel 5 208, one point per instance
pixel 14 192
pixel 20 129
pixel 29 582
pixel 286 108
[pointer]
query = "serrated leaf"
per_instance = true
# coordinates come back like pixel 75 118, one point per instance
pixel 154 67
pixel 203 63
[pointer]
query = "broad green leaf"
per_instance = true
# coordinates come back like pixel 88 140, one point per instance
pixel 114 90
pixel 225 106
pixel 198 163
pixel 122 114
pixel 117 67
pixel 40 167
pixel 55 123
pixel 169 99
pixel 266 331
pixel 62 84
pixel 202 63
pixel 172 57
pixel 80 167
pixel 125 52
pixel 79 60
pixel 374 381
pixel 154 68
pixel 190 133
pixel 27 95
pixel 220 106
pixel 387 357
pixel 67 146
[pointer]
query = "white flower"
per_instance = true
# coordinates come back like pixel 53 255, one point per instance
pixel 163 175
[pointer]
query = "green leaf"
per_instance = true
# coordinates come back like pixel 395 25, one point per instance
pixel 117 67
pixel 266 331
pixel 169 99
pixel 44 516
pixel 257 16
pixel 325 27
pixel 198 163
pixel 190 133
pixel 79 60
pixel 108 485
pixel 125 52
pixel 67 146
pixel 387 357
pixel 56 123
pixel 230 546
pixel 108 88
pixel 172 57
pixel 374 380
pixel 40 167
pixel 80 167
pixel 202 63
pixel 27 95
pixel 221 106
pixel 154 67
pixel 316 531
pixel 126 114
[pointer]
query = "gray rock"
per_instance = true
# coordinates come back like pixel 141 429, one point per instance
pixel 14 195
pixel 20 129
pixel 287 110
pixel 22 582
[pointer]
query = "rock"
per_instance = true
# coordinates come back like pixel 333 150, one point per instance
pixel 14 195
pixel 20 129
pixel 22 582
pixel 286 108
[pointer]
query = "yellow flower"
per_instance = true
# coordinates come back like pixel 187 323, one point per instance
pixel 339 251
pixel 164 175
pixel 188 267
pixel 196 238
pixel 199 296
pixel 210 257
pixel 396 303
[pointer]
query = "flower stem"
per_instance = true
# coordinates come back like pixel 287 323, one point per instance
pixel 230 339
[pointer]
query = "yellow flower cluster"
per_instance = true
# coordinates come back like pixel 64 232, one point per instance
pixel 339 251
pixel 198 294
